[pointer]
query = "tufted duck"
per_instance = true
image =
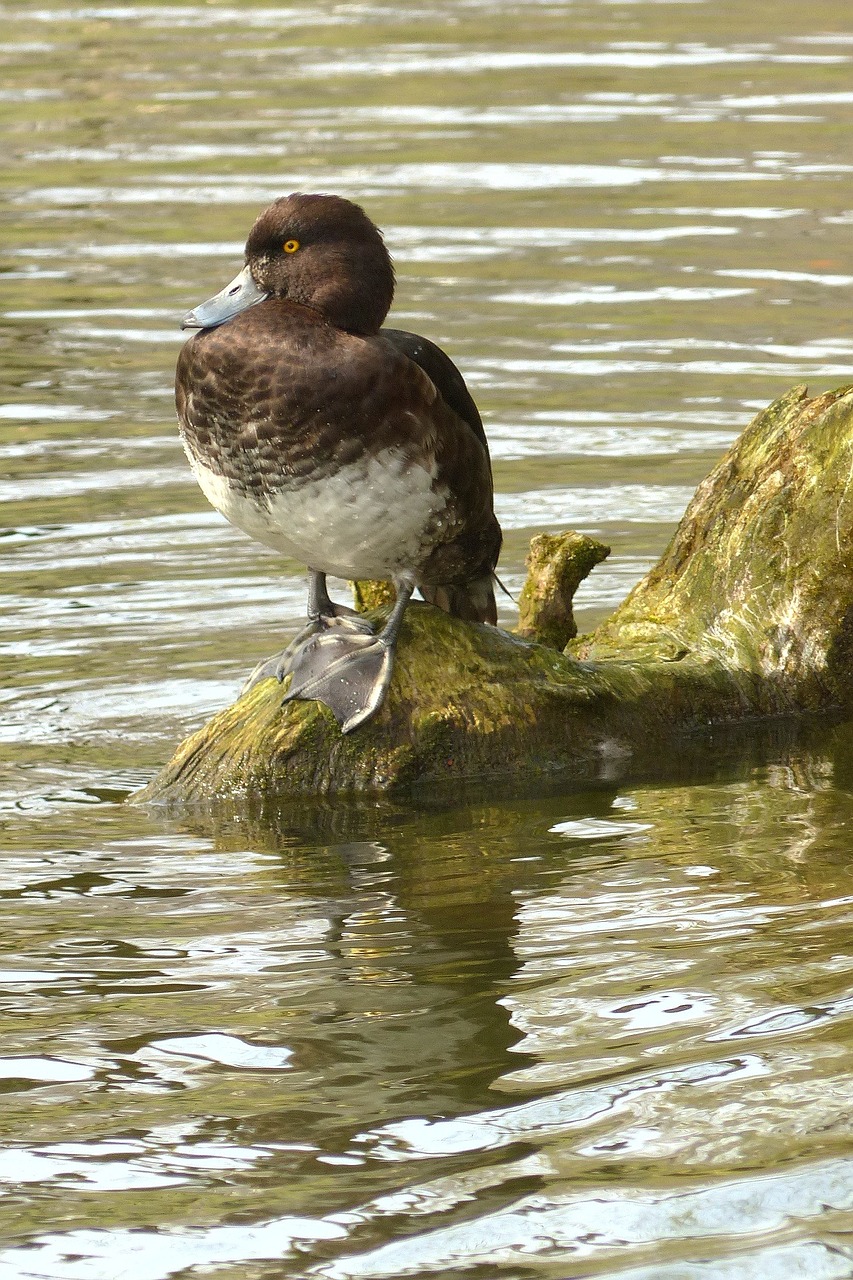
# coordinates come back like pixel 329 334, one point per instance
pixel 354 449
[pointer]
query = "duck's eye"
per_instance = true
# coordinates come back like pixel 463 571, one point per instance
pixel 290 246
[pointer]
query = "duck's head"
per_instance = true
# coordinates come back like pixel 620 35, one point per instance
pixel 320 251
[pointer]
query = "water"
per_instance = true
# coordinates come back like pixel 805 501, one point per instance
pixel 550 1034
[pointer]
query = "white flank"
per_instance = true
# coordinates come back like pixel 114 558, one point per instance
pixel 365 521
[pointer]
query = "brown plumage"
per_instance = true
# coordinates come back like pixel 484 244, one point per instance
pixel 354 448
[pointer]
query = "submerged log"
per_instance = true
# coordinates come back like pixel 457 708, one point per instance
pixel 748 613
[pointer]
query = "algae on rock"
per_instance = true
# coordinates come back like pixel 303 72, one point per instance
pixel 748 613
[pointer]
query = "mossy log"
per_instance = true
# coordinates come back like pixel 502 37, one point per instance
pixel 749 613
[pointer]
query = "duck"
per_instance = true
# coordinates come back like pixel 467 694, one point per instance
pixel 352 448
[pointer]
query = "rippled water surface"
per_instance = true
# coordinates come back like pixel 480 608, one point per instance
pixel 558 1035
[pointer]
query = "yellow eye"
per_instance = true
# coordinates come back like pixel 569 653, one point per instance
pixel 290 246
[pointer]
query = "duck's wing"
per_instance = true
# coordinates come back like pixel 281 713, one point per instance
pixel 458 576
pixel 444 375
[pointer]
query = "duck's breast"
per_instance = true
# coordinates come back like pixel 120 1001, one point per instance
pixel 319 444
pixel 373 518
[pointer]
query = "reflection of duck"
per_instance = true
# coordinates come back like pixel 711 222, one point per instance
pixel 355 449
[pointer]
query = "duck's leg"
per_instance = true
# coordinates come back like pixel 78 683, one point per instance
pixel 348 670
pixel 323 612
pixel 323 615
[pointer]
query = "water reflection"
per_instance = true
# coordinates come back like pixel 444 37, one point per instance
pixel 547 1030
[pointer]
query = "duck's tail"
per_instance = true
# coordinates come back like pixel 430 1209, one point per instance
pixel 473 600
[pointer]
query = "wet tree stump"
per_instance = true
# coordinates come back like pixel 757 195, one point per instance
pixel 749 613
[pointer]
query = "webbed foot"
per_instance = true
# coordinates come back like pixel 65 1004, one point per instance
pixel 343 621
pixel 336 658
pixel 349 672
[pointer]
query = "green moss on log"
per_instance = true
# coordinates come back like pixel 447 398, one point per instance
pixel 368 596
pixel 748 613
pixel 759 575
pixel 556 566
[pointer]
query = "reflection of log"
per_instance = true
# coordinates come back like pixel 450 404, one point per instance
pixel 748 613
